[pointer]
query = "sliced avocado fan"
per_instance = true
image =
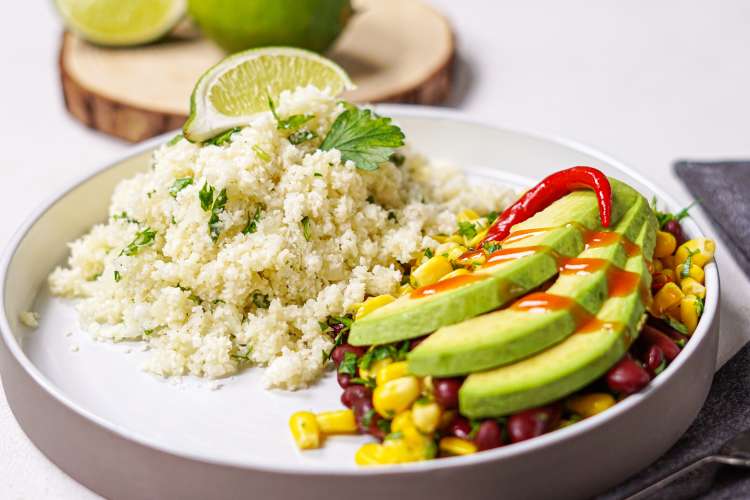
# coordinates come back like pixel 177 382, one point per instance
pixel 410 317
pixel 573 363
pixel 539 320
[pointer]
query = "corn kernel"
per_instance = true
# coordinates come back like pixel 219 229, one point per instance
pixel 588 405
pixel 669 274
pixel 401 421
pixel 666 244
pixel 456 238
pixel 391 371
pixel 693 271
pixel 372 454
pixel 374 367
pixel 476 239
pixel 426 416
pixel 669 295
pixel 674 312
pixel 371 304
pixel 456 252
pixel 431 271
pixel 690 312
pixel 305 430
pixel 690 286
pixel 454 273
pixel 336 422
pixel 456 446
pixel 701 250
pixel 395 396
pixel 467 215
pixel 405 289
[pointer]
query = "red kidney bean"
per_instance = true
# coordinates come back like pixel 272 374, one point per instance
pixel 654 361
pixel 533 422
pixel 674 227
pixel 354 393
pixel 340 350
pixel 489 435
pixel 627 376
pixel 344 379
pixel 652 336
pixel 459 427
pixel 446 392
pixel 664 327
pixel 362 408
pixel 413 343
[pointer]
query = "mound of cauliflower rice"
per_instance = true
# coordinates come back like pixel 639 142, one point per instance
pixel 227 255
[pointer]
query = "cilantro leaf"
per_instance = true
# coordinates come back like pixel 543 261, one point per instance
pixel 174 140
pixel 348 365
pixel 261 300
pixel 492 246
pixel 302 136
pixel 292 122
pixel 306 231
pixel 363 137
pixel 206 196
pixel 214 228
pixel 222 138
pixel 118 276
pixel 252 223
pixel 429 253
pixel 179 185
pixel 142 239
pixel 467 229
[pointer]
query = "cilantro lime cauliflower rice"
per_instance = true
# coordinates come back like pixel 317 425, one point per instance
pixel 234 252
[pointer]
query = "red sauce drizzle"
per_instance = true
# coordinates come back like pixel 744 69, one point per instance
pixel 621 283
pixel 508 254
pixel 596 239
pixel 449 284
pixel 596 324
pixel 542 302
pixel 470 254
pixel 631 249
pixel 581 265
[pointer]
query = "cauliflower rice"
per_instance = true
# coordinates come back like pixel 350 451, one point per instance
pixel 257 293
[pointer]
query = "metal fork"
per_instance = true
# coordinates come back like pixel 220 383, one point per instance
pixel 735 452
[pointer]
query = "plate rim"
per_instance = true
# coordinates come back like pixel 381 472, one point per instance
pixel 317 469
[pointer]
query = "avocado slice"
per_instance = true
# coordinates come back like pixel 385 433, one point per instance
pixel 410 317
pixel 573 363
pixel 537 321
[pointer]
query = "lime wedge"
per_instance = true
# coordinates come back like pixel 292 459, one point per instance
pixel 228 94
pixel 121 22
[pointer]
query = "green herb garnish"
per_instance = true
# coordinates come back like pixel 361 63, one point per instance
pixel 676 325
pixel 397 159
pixel 118 276
pixel 260 153
pixel 491 216
pixel 492 246
pixel 206 196
pixel 429 253
pixel 124 216
pixel 174 140
pixel 367 418
pixel 306 232
pixel 392 216
pixel 252 223
pixel 363 137
pixel 367 382
pixel 348 365
pixel 214 228
pixel 685 269
pixel 384 425
pixel 222 138
pixel 663 217
pixel 291 123
pixel 301 136
pixel 142 239
pixel 179 185
pixel 467 229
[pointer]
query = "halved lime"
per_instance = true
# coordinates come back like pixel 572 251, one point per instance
pixel 230 93
pixel 121 22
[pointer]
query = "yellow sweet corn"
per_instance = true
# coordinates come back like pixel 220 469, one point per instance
pixel 467 215
pixel 456 446
pixel 454 273
pixel 674 312
pixel 657 265
pixel 405 289
pixel 305 430
pixel 588 405
pixel 336 422
pixel 456 252
pixel 374 367
pixel 372 454
pixel 690 309
pixel 428 273
pixel 665 244
pixel 476 239
pixel 690 286
pixel 669 295
pixel 693 271
pixel 401 421
pixel 701 251
pixel 391 371
pixel 371 304
pixel 426 416
pixel 395 396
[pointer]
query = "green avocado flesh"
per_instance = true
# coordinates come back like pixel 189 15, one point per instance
pixel 511 334
pixel 410 317
pixel 569 365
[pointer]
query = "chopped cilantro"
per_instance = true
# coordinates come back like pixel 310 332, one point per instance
pixel 260 153
pixel 395 435
pixel 318 174
pixel 147 332
pixel 118 276
pixel 491 217
pixel 492 246
pixel 214 228
pixel 179 185
pixel 150 193
pixel 206 196
pixel 467 229
pixel 301 136
pixel 292 122
pixel 124 216
pixel 260 300
pixel 384 425
pixel 142 239
pixel 174 140
pixel 385 351
pixel 252 223
pixel 397 159
pixel 348 365
pixel 306 232
pixel 367 382
pixel 676 325
pixel 685 268
pixel 367 418
pixel 363 137
pixel 699 306
pixel 242 357
pixel 664 217
pixel 429 253
pixel 222 138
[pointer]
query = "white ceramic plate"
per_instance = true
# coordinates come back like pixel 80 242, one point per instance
pixel 185 439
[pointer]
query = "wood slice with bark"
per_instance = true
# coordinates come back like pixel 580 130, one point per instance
pixel 394 51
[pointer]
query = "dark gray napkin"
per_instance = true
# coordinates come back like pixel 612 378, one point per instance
pixel 723 189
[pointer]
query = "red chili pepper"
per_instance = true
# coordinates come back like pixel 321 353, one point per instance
pixel 552 188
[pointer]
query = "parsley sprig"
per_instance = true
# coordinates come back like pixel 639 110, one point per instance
pixel 142 239
pixel 363 137
pixel 663 217
pixel 215 205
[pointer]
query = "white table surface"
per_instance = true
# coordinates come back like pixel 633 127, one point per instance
pixel 647 82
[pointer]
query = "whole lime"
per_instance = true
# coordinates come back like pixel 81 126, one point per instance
pixel 242 24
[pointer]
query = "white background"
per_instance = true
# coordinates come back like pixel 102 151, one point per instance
pixel 645 81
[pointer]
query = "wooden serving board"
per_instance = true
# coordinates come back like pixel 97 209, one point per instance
pixel 394 50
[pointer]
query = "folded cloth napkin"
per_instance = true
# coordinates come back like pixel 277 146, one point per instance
pixel 723 190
